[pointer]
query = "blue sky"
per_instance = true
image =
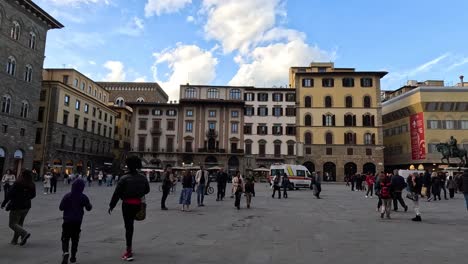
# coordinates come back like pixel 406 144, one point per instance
pixel 254 42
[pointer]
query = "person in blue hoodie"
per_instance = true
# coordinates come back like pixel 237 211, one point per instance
pixel 73 205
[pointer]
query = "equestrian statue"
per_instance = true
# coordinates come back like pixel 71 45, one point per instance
pixel 451 150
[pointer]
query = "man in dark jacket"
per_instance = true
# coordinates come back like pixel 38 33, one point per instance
pixel 464 184
pixel 131 189
pixel 221 179
pixel 398 183
pixel 427 182
pixel 73 205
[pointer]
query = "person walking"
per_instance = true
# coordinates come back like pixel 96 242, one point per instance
pixel 18 202
pixel 47 182
pixel 358 182
pixel 187 189
pixel 386 190
pixel 414 182
pixel 201 178
pixel 464 186
pixel 370 181
pixel 451 186
pixel 53 183
pixel 398 184
pixel 249 191
pixel 353 182
pixel 427 182
pixel 238 186
pixel 443 183
pixel 221 180
pixel 377 188
pixel 90 180
pixel 8 180
pixel 435 183
pixel 131 189
pixel 276 185
pixel 167 183
pixel 285 185
pixel 317 184
pixel 73 205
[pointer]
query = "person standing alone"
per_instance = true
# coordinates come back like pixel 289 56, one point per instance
pixel 415 186
pixel 221 179
pixel 285 185
pixel 317 184
pixel 201 178
pixel 370 181
pixel 386 196
pixel 167 183
pixel 276 185
pixel 8 180
pixel 238 186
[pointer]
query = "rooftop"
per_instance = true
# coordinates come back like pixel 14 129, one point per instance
pixel 39 12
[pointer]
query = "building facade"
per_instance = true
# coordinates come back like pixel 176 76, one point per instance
pixel 420 115
pixel 122 131
pixel 23 32
pixel 269 127
pixel 75 130
pixel 132 92
pixel 338 119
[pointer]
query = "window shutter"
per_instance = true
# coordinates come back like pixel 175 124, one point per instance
pixel 373 139
pixel 354 120
pixel 245 97
pixel 281 111
pixel 354 138
pixel 333 120
pixel 258 111
pixel 345 138
pixel 258 130
pixel 373 121
pixel 323 120
pixel 266 111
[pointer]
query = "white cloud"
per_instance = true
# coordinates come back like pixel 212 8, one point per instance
pixel 457 64
pixel 133 28
pixel 140 79
pixel 190 19
pixel 398 76
pixel 92 62
pixel 72 40
pixel 159 7
pixel 117 73
pixel 186 64
pixel 75 3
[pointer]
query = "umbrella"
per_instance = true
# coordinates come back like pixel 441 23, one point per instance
pixel 214 168
pixel 262 169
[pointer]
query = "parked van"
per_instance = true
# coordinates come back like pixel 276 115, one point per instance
pixel 299 176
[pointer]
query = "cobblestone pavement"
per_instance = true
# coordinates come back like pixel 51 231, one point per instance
pixel 343 227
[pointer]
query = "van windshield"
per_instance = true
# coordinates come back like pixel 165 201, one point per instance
pixel 300 173
pixel 275 172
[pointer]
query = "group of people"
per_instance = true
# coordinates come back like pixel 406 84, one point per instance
pixel 282 182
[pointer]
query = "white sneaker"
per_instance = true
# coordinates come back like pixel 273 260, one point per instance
pixel 367 196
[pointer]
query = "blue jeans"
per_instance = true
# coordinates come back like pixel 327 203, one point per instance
pixel 200 193
pixel 466 200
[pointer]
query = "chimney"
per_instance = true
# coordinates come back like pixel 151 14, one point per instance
pixel 461 80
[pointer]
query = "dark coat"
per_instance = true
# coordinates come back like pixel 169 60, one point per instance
pixel 19 196
pixel 130 186
pixel 74 202
pixel 464 182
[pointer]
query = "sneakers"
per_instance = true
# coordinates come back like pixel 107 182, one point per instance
pixel 367 196
pixel 406 208
pixel 382 215
pixel 73 259
pixel 24 239
pixel 417 218
pixel 128 256
pixel 65 258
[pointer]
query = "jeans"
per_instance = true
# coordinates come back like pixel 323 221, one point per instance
pixel 370 190
pixel 164 197
pixel 238 198
pixel 416 204
pixel 248 198
pixel 70 231
pixel 452 193
pixel 466 200
pixel 445 191
pixel 200 193
pixel 129 212
pixel 318 190
pixel 386 206
pixel 53 186
pixel 16 223
pixel 221 191
pixel 276 188
pixel 285 192
pixel 397 198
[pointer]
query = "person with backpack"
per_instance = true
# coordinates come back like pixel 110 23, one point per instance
pixel 285 185
pixel 386 195
pixel 167 184
pixel 370 181
pixel 131 189
pixel 73 205
pixel 238 186
pixel 399 184
pixel 415 184
pixel 276 185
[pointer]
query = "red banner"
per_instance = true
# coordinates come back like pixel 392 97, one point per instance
pixel 418 142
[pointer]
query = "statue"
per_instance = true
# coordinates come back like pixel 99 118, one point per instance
pixel 451 150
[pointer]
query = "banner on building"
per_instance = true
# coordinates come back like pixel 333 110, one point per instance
pixel 418 142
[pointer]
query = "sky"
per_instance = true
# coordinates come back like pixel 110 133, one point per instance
pixel 254 42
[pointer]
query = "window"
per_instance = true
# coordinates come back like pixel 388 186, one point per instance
pixel 83 145
pixel 65 79
pixel 248 129
pixel 4 129
pixel 290 97
pixel 277 111
pixel 277 149
pixel 308 101
pixel 170 144
pixel 157 112
pixel 11 66
pixel 348 82
pixel 328 101
pixel 83 85
pixel 171 112
pixel 368 152
pixel 190 93
pixel 105 117
pixel 28 72
pixel 249 97
pixel 105 131
pixel 262 111
pixel 350 138
pixel 211 125
pixel 67 100
pixel 369 139
pixel 100 114
pixel 464 124
pixel 290 149
pixel 308 120
pixel 42 95
pixel 328 82
pixel 188 146
pixel 74 144
pixel 322 69
pixel 329 138
pixel 350 151
pixel 212 93
pixel 329 151
pixel 261 148
pixel 248 111
pixel 308 138
pixel 40 114
pixel 95 92
pixel 277 97
pixel 156 124
pixel 290 111
pixel 22 132
pixel 155 145
pixel 262 130
pixel 142 124
pixel 234 114
pixel 38 135
pixel 277 130
pixel 104 98
pixel 32 40
pixel 65 118
pixel 188 126
pixel 308 151
pixel 62 141
pixel 15 30
pixel 248 148
pixel 94 111
pixel 24 109
pixel 212 113
pixel 99 128
pixel 235 94
pixel 290 130
pixel 307 82
pixel 86 108
pixel 367 101
pixel 234 128
pixel 349 101
pixel 141 143
pixel 75 82
pixel 349 120
pixel 6 104
pixel 93 126
pixel 449 124
pixel 368 120
pixel 263 97
pixel 90 88
pixel 77 104
pixel 328 120
pixel 85 124
pixel 189 113
pixel 170 125
pixel 366 82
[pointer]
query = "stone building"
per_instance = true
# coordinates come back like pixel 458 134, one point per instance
pixel 417 117
pixel 23 32
pixel 132 92
pixel 75 130
pixel 122 130
pixel 338 119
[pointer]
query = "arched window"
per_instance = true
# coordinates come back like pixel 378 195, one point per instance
pixel 368 120
pixel 367 101
pixel 11 66
pixel 328 120
pixel 212 93
pixel 15 30
pixel 32 40
pixel 308 120
pixel 119 101
pixel 350 138
pixel 308 101
pixel 328 138
pixel 369 139
pixel 235 94
pixel 140 100
pixel 24 109
pixel 262 148
pixel 349 101
pixel 6 104
pixel 308 138
pixel 350 120
pixel 328 101
pixel 28 71
pixel 190 93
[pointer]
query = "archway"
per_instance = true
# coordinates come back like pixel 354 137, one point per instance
pixel 69 167
pixel 2 160
pixel 350 168
pixel 79 167
pixel 310 166
pixel 233 164
pixel 369 168
pixel 329 171
pixel 18 156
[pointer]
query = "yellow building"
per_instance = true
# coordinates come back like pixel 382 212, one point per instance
pixel 420 115
pixel 339 130
pixel 122 128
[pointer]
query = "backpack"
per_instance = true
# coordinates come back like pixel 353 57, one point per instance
pixel 385 191
pixel 277 179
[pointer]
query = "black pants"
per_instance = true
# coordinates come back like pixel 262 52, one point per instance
pixel 129 212
pixel 70 231
pixel 238 199
pixel 6 188
pixel 352 185
pixel 397 198
pixel 379 203
pixel 276 188
pixel 452 193
pixel 428 192
pixel 53 186
pixel 285 192
pixel 370 190
pixel 221 191
pixel 445 191
pixel 319 189
pixel 166 192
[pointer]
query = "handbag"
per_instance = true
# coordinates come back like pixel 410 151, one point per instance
pixel 141 214
pixel 423 191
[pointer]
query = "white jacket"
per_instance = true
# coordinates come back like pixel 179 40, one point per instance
pixel 199 175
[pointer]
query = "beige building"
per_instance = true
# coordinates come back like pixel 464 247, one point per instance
pixel 75 125
pixel 122 130
pixel 338 124
pixel 418 116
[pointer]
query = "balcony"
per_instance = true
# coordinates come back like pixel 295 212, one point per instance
pixel 156 131
pixel 237 151
pixel 211 133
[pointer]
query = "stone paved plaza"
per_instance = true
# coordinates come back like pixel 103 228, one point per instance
pixel 343 227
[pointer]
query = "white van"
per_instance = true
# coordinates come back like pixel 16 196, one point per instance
pixel 299 176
